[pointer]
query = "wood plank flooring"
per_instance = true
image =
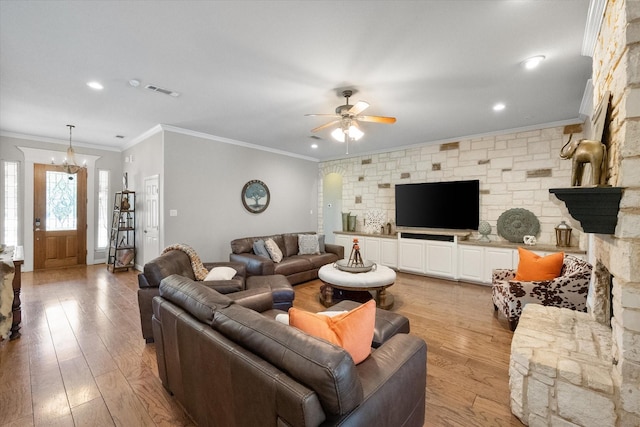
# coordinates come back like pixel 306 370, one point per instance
pixel 82 361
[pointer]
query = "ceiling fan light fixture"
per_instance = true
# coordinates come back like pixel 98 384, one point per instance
pixel 352 132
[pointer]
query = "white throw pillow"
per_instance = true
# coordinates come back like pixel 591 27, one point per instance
pixel 308 244
pixel 221 273
pixel 274 251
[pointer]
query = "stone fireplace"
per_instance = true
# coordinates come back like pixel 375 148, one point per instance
pixel 583 369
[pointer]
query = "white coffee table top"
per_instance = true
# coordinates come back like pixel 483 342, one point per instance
pixel 380 277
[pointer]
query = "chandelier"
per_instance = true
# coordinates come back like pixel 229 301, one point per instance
pixel 69 164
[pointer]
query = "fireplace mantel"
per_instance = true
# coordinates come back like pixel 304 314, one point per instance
pixel 596 208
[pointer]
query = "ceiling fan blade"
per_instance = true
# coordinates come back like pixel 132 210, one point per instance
pixel 377 119
pixel 324 126
pixel 358 108
pixel 321 115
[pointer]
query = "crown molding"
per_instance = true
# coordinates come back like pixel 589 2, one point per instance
pixel 595 16
pixel 174 129
pixel 56 141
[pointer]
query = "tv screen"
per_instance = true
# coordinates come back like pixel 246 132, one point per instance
pixel 452 205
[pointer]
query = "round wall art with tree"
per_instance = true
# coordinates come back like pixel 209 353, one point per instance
pixel 255 196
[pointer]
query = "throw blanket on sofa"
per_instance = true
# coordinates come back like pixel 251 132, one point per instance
pixel 199 271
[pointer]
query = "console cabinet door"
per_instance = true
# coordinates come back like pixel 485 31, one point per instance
pixel 440 259
pixel 370 249
pixel 471 263
pixel 345 241
pixel 411 255
pixel 497 258
pixel 389 255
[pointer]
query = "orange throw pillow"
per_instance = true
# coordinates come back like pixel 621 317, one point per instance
pixel 352 330
pixel 533 267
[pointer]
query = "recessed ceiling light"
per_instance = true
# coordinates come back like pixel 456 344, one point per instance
pixel 533 62
pixel 95 85
pixel 314 146
pixel 499 106
pixel 134 83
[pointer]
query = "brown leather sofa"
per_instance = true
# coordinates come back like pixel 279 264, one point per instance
pixel 177 262
pixel 296 268
pixel 229 363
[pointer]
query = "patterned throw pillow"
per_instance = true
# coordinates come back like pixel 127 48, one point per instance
pixel 274 251
pixel 308 244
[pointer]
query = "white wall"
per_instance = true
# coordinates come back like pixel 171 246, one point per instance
pixel 203 180
pixel 144 159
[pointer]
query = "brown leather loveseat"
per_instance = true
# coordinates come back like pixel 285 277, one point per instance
pixel 296 268
pixel 234 365
pixel 178 262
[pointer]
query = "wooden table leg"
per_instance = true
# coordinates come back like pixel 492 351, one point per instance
pixel 384 299
pixel 328 295
pixel 16 308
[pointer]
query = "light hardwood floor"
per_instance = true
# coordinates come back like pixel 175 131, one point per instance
pixel 82 361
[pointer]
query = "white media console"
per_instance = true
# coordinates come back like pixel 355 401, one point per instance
pixel 441 253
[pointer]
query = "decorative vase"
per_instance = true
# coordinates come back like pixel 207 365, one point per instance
pixel 345 221
pixel 484 228
pixel 352 222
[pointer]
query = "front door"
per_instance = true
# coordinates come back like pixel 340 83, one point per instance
pixel 60 217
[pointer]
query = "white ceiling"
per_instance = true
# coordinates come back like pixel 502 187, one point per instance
pixel 249 71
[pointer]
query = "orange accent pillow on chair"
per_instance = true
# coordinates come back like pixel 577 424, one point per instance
pixel 533 267
pixel 352 330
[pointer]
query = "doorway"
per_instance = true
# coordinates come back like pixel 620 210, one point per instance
pixel 151 226
pixel 332 205
pixel 60 217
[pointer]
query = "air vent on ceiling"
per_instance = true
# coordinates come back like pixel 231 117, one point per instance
pixel 162 90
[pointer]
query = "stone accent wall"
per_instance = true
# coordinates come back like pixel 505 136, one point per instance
pixel 585 373
pixel 515 171
pixel 560 369
pixel 616 68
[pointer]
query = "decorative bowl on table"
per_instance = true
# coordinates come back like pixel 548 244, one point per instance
pixel 343 265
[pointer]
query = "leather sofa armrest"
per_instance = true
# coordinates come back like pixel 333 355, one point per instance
pixel 237 266
pixel 334 249
pixel 143 282
pixel 255 265
pixel 257 299
pixel 225 286
pixel 397 368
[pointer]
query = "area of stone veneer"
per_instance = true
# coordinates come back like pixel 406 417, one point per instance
pixel 560 369
pixel 515 170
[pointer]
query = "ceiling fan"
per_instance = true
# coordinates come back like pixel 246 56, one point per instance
pixel 348 116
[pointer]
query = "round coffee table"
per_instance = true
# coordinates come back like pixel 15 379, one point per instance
pixel 376 281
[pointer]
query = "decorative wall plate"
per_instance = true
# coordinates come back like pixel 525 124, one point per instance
pixel 255 196
pixel 516 223
pixel 374 220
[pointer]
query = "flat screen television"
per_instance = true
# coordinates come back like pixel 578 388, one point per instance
pixel 452 205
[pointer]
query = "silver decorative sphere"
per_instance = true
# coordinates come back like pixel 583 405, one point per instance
pixel 484 228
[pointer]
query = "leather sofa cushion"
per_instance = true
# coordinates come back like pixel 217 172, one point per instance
pixel 199 300
pixel 323 367
pixel 292 265
pixel 290 244
pixel 322 259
